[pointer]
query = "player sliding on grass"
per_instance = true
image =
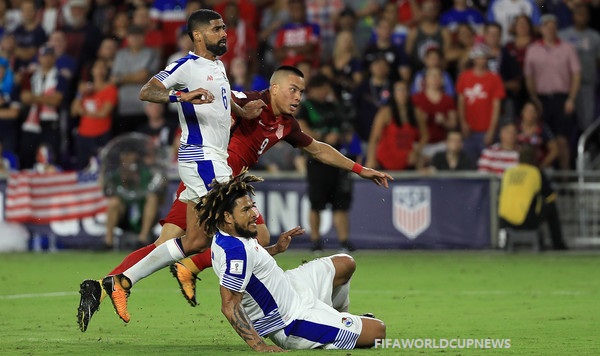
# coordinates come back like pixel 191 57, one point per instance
pixel 249 139
pixel 302 308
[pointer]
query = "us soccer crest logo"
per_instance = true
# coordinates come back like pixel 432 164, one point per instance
pixel 411 210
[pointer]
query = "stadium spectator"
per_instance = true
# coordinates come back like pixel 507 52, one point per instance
pixel 433 60
pixel 587 43
pixel 321 305
pixel 50 16
pixel 462 13
pixel 241 38
pixel 248 10
pixel 523 35
pixel 153 36
pixel 321 117
pixel 553 77
pixel 324 14
pixel 12 16
pixel 42 93
pixel 94 105
pixel 397 135
pixel 480 92
pixel 399 31
pixel 457 56
pixel 398 61
pixel 45 160
pixel 67 65
pixel 29 36
pixel 103 14
pixel 427 34
pixel 170 16
pixel 131 69
pixel 533 132
pixel 374 92
pixel 453 158
pixel 500 156
pixel 9 162
pixel 119 27
pixel 358 17
pixel 344 70
pixel 273 17
pixel 505 66
pixel 3 18
pixel 10 107
pixel 526 198
pixel 83 37
pixel 297 40
pixel 438 111
pixel 133 198
pixel 242 78
pixel 503 12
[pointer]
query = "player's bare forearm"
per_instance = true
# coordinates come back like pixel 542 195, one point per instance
pixel 234 312
pixel 284 241
pixel 154 91
pixel 324 153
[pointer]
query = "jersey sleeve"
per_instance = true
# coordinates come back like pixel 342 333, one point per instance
pixel 175 75
pixel 297 138
pixel 237 269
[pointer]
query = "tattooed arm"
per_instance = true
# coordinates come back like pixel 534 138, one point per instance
pixel 231 306
pixel 154 91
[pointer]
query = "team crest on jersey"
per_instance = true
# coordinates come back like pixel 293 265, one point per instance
pixel 411 210
pixel 279 132
pixel 347 322
pixel 236 267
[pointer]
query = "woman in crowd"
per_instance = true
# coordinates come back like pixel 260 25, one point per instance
pixel 397 135
pixel 94 105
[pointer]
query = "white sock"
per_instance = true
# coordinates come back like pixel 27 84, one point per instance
pixel 162 256
pixel 340 297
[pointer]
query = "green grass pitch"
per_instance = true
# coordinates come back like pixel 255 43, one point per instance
pixel 546 304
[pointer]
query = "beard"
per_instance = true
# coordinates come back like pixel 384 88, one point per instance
pixel 218 49
pixel 243 232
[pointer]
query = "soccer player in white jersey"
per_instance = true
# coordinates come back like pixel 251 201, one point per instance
pixel 302 308
pixel 198 83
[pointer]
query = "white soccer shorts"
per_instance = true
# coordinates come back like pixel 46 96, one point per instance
pixel 197 177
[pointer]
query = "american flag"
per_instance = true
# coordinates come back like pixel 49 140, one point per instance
pixel 411 210
pixel 41 198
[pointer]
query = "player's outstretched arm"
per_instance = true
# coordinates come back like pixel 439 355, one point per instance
pixel 250 110
pixel 329 155
pixel 231 306
pixel 284 241
pixel 155 92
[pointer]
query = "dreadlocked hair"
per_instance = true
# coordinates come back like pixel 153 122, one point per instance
pixel 221 198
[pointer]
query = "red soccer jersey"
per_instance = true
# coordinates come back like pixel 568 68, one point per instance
pixel 251 138
pixel 479 93
pixel 437 114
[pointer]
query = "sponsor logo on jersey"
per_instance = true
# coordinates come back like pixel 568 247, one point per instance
pixel 411 210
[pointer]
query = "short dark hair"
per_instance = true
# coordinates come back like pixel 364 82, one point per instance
pixel 527 155
pixel 319 80
pixel 292 69
pixel 493 24
pixel 200 18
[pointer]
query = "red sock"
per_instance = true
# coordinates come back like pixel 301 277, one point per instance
pixel 132 259
pixel 202 260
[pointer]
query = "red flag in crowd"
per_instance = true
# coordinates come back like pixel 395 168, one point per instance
pixel 40 198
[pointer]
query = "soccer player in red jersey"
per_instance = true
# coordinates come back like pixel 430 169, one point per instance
pixel 249 139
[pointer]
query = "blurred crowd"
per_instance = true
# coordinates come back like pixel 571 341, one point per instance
pixel 400 85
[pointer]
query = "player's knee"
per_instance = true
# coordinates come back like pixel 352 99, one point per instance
pixel 380 330
pixel 344 263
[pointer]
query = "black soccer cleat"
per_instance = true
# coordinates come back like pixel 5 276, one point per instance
pixel 89 302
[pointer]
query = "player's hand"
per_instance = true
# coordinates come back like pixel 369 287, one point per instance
pixel 286 238
pixel 377 177
pixel 270 348
pixel 198 96
pixel 252 109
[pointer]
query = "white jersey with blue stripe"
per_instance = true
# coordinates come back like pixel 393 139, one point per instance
pixel 242 265
pixel 205 127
